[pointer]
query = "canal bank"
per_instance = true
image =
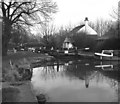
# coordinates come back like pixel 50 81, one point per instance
pixel 12 89
pixel 19 92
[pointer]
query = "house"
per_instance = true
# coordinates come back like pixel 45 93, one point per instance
pixel 85 28
pixel 67 44
pixel 84 36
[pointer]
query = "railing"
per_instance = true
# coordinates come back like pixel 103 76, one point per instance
pixel 109 52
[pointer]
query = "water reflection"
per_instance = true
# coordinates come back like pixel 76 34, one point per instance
pixel 77 81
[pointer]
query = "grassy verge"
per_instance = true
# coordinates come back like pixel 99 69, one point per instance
pixel 15 57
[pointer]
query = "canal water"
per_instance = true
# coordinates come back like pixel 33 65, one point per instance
pixel 77 81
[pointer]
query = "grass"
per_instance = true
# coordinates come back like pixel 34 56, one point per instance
pixel 10 94
pixel 14 57
pixel 19 58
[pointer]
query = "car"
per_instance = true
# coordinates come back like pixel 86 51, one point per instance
pixel 37 50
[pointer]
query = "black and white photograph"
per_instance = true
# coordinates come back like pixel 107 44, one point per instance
pixel 59 51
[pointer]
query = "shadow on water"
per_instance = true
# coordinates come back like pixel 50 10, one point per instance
pixel 77 81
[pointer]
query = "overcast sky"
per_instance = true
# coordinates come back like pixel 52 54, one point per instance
pixel 74 11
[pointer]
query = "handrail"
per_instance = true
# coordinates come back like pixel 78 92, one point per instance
pixel 111 51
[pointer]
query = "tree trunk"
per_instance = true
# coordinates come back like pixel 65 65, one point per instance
pixel 6 35
pixel 4 46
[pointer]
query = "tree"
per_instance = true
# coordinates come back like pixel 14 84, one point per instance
pixel 25 14
pixel 116 15
pixel 116 12
pixel 19 35
pixel 101 26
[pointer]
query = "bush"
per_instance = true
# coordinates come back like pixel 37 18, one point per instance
pixel 11 75
pixel 112 43
pixel 14 75
pixel 109 44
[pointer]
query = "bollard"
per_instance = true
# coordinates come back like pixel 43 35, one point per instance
pixel 41 99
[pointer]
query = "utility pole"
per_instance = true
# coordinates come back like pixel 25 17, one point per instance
pixel 119 19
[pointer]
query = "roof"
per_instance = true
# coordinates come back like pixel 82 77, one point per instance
pixel 77 28
pixel 84 28
pixel 81 28
pixel 88 30
pixel 67 40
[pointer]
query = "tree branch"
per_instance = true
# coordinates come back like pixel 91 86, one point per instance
pixel 23 3
pixel 8 13
pixel 24 22
pixel 17 17
pixel 3 9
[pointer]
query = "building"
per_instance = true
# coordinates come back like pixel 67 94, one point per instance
pixel 84 36
pixel 85 28
pixel 67 44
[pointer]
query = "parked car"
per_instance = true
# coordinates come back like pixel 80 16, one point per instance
pixel 37 50
pixel 31 49
pixel 19 48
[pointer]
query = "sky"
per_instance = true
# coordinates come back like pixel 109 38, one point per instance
pixel 72 12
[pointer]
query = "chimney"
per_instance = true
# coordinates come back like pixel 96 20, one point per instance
pixel 86 24
pixel 86 20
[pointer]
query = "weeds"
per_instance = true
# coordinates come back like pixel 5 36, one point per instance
pixel 15 72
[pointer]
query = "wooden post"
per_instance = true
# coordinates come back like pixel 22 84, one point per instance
pixel 118 19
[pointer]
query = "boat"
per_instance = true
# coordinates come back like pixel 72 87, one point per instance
pixel 110 55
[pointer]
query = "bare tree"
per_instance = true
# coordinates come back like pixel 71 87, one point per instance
pixel 102 26
pixel 116 15
pixel 116 12
pixel 25 14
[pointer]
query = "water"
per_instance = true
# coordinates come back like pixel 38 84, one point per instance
pixel 77 81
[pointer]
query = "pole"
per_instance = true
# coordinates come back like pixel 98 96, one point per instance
pixel 118 19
